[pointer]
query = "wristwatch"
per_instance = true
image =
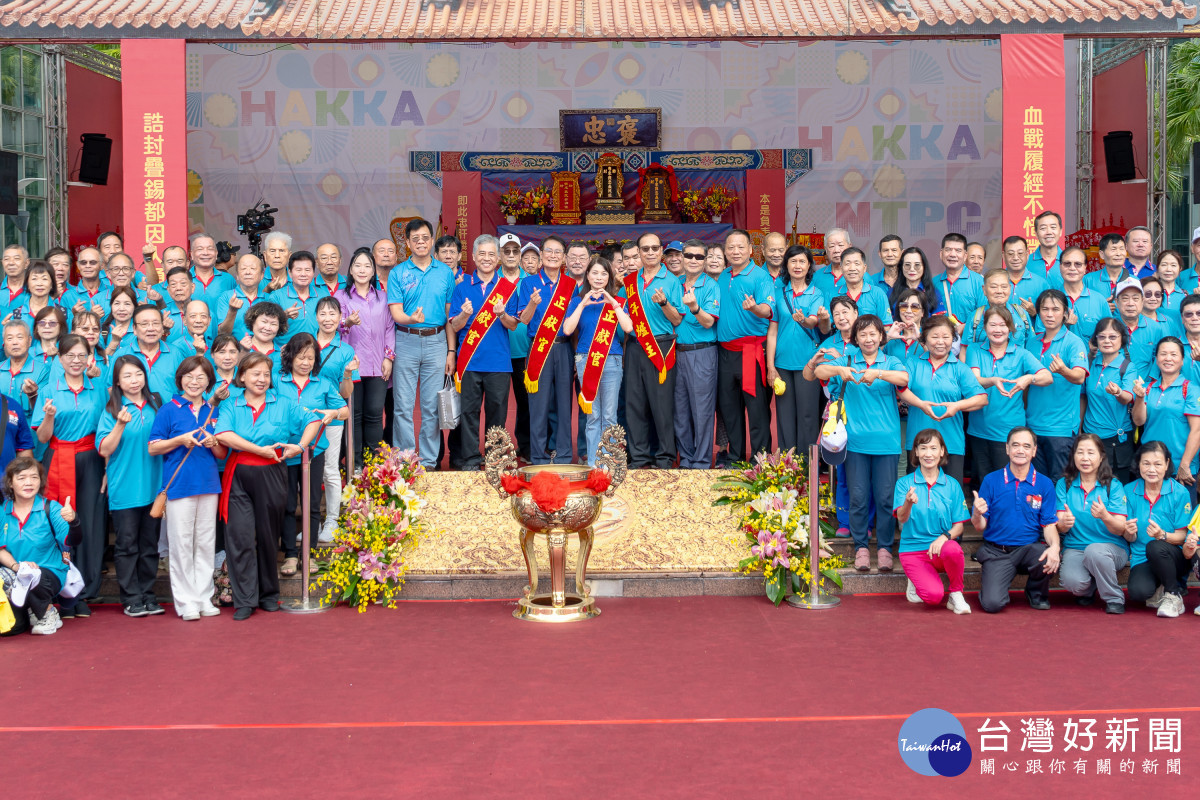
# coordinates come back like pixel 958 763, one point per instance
pixel 663 303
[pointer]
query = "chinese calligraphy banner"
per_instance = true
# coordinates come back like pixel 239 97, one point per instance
pixel 766 200
pixel 610 129
pixel 461 212
pixel 1033 77
pixel 154 127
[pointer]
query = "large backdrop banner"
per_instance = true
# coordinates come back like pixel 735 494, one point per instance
pixel 905 137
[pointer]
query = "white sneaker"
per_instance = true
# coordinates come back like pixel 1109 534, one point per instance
pixel 958 604
pixel 44 626
pixel 191 616
pixel 910 594
pixel 326 535
pixel 52 612
pixel 1171 606
pixel 1155 599
pixel 1197 611
pixel 210 611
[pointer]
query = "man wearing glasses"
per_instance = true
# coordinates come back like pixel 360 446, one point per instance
pixel 419 292
pixel 93 292
pixel 696 361
pixel 329 270
pixel 518 342
pixel 649 396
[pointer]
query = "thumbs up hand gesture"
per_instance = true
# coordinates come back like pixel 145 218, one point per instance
pixel 980 505
pixel 68 513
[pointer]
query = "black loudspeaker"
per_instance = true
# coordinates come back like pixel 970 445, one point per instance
pixel 1196 172
pixel 8 182
pixel 1118 156
pixel 93 161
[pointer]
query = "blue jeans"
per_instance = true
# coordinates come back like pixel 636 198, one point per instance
pixel 867 474
pixel 842 500
pixel 420 363
pixel 604 407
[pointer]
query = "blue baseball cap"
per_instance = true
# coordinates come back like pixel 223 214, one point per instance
pixel 677 246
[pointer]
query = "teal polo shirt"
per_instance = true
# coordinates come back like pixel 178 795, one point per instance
pixel 870 300
pixel 794 343
pixel 1090 307
pixel 1087 529
pixel 1167 412
pixel 332 360
pixel 213 289
pixel 41 537
pixel 824 281
pixel 1054 410
pixel 1049 272
pixel 1001 414
pixel 1018 511
pixel 1143 339
pixel 429 289
pixel 1028 286
pixel 663 279
pixel 134 476
pixel 240 331
pixel 75 413
pixel 102 297
pixel 1171 510
pixel 12 380
pixel 901 349
pixel 1169 311
pixel 306 320
pixel 872 412
pixel 975 332
pixel 518 337
pixel 940 506
pixel 280 420
pixel 1101 284
pixel 708 299
pixel 962 295
pixel 316 393
pixel 950 382
pixel 160 370
pixel 1106 416
pixel 736 322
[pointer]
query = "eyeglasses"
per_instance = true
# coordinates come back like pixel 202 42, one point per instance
pixel 694 256
pixel 650 248
pixel 46 323
pixel 420 239
pixel 1154 294
pixel 1191 314
pixel 74 356
pixel 552 252
pixel 511 250
pixel 84 262
pixel 1074 263
pixel 911 307
pixel 120 269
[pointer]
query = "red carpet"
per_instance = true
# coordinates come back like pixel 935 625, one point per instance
pixel 699 697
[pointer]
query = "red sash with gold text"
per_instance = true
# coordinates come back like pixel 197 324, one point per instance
pixel 641 329
pixel 597 355
pixel 484 320
pixel 539 351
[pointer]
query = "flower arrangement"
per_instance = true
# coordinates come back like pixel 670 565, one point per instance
pixel 535 203
pixel 691 205
pixel 770 497
pixel 512 202
pixel 379 525
pixel 718 199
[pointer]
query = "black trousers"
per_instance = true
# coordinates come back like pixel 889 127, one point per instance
pixel 555 387
pixel 954 468
pixel 1053 453
pixel 389 415
pixel 522 400
pixel 986 456
pixel 1120 456
pixel 41 596
pixel 1164 566
pixel 739 404
pixel 316 472
pixel 91 507
pixel 256 501
pixel 999 569
pixel 649 408
pixel 486 391
pixel 798 411
pixel 369 394
pixel 136 554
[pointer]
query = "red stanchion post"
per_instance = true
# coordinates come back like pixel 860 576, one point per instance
pixel 350 438
pixel 304 605
pixel 814 600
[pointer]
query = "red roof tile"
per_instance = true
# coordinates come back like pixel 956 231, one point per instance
pixel 482 20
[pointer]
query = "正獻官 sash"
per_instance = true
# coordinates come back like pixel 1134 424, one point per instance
pixel 484 320
pixel 539 351
pixel 641 330
pixel 597 355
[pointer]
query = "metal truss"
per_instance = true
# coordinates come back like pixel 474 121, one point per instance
pixel 1083 136
pixel 1157 201
pixel 54 90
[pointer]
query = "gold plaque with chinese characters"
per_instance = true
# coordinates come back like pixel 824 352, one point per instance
pixel 610 184
pixel 566 199
pixel 656 195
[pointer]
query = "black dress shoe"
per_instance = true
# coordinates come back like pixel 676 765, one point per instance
pixel 269 605
pixel 1040 605
pixel 243 613
pixel 1085 600
pixel 1114 608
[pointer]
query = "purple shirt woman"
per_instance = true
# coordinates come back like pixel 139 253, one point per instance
pixel 368 328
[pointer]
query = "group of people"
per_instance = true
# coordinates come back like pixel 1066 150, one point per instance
pixel 177 396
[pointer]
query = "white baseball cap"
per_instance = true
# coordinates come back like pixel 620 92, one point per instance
pixel 530 246
pixel 1129 283
pixel 1196 234
pixel 509 238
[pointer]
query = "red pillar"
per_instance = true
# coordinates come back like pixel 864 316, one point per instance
pixel 154 143
pixel 1034 129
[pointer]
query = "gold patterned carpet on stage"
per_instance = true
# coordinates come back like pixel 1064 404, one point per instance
pixel 659 521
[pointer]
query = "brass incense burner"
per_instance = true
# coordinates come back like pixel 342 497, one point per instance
pixel 581 508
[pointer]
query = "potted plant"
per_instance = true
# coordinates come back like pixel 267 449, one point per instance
pixel 718 200
pixel 691 205
pixel 512 203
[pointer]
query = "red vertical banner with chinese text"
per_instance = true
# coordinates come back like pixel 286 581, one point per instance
pixel 154 146
pixel 462 208
pixel 765 200
pixel 1033 78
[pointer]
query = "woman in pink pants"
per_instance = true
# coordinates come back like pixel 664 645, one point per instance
pixel 931 510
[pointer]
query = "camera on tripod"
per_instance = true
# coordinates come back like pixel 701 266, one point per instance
pixel 255 223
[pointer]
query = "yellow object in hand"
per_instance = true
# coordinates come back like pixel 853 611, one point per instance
pixel 780 386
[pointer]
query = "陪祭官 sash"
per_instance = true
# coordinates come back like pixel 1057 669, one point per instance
pixel 539 351
pixel 641 330
pixel 597 355
pixel 484 320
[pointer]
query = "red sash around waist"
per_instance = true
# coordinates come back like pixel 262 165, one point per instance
pixel 238 457
pixel 60 478
pixel 753 355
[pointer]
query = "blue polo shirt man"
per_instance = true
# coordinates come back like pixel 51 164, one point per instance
pixel 419 292
pixel 696 360
pixel 1015 509
pixel 18 439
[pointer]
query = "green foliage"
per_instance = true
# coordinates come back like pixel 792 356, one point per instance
pixel 1183 108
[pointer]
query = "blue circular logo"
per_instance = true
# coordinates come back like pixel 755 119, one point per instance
pixel 933 742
